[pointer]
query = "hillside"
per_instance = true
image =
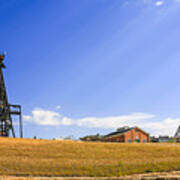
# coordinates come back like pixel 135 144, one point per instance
pixel 66 158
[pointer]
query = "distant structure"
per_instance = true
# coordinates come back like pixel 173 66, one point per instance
pixel 154 139
pixel 161 139
pixel 177 135
pixel 96 137
pixel 127 135
pixel 7 110
pixel 165 139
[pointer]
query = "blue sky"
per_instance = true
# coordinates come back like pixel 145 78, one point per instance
pixel 90 66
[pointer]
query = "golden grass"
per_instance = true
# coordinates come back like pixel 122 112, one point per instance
pixel 67 158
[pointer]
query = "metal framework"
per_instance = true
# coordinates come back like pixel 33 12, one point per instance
pixel 7 110
pixel 177 135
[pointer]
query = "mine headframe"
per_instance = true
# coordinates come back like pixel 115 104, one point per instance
pixel 7 111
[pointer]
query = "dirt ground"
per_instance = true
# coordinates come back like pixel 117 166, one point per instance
pixel 150 176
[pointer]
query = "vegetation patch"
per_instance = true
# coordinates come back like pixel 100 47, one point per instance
pixel 25 157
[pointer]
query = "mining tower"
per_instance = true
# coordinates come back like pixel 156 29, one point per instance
pixel 7 111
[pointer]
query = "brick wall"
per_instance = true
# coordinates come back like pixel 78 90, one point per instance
pixel 136 135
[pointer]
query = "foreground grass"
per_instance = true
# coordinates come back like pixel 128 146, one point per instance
pixel 67 158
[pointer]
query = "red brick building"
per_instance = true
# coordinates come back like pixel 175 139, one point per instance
pixel 127 134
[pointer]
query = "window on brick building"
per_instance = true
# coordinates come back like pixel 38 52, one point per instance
pixel 137 140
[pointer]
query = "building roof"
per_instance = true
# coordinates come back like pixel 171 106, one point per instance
pixel 120 131
pixel 123 130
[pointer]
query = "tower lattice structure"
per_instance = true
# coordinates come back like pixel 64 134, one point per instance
pixel 7 110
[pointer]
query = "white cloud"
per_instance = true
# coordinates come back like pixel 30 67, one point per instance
pixel 113 122
pixel 167 126
pixel 67 121
pixel 159 3
pixel 43 117
pixel 58 107
pixel 145 121
pixel 156 2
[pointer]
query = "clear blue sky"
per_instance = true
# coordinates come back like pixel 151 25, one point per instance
pixel 90 66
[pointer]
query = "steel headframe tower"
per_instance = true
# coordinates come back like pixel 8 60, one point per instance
pixel 6 109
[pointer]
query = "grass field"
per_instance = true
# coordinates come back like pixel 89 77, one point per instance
pixel 67 158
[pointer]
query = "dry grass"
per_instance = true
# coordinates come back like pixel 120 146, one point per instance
pixel 66 158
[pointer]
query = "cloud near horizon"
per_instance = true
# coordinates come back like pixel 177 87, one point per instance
pixel 159 3
pixel 146 121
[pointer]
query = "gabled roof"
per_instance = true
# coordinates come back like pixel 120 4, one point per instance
pixel 123 131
